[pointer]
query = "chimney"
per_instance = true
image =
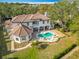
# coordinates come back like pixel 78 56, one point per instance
pixel 45 14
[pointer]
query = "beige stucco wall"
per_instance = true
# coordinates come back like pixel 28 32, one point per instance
pixel 13 37
pixel 27 39
pixel 38 25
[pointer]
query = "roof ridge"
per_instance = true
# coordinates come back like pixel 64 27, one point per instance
pixel 32 15
pixel 24 18
pixel 20 29
pixel 14 18
pixel 25 28
pixel 16 29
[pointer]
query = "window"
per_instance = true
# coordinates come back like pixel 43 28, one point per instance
pixel 41 28
pixel 46 27
pixel 29 37
pixel 48 21
pixel 35 29
pixel 23 37
pixel 43 22
pixel 35 22
pixel 17 39
pixel 27 23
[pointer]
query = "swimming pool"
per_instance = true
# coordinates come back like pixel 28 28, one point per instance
pixel 46 35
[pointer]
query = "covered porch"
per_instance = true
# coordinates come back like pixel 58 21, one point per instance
pixel 41 28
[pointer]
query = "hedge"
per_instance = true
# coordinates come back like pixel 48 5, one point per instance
pixel 58 56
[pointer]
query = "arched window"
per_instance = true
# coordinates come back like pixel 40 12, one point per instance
pixel 17 39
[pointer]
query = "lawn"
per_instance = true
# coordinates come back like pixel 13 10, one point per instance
pixel 47 53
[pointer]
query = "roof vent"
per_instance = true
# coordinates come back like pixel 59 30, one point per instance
pixel 45 13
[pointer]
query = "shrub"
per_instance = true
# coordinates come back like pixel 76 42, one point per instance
pixel 36 43
pixel 39 45
pixel 42 46
pixel 13 58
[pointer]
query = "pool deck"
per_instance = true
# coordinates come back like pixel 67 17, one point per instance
pixel 57 33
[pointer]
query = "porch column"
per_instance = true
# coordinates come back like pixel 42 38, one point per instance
pixel 49 27
pixel 32 29
pixel 12 45
pixel 20 39
pixel 44 28
pixel 38 29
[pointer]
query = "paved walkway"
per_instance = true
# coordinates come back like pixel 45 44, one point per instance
pixel 70 53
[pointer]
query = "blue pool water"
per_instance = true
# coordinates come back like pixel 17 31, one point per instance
pixel 46 35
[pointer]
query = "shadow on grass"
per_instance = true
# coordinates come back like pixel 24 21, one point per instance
pixel 42 46
pixel 3 45
pixel 13 58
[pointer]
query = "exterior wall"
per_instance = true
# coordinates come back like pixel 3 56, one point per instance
pixel 13 37
pixel 31 25
pixel 26 40
pixel 40 23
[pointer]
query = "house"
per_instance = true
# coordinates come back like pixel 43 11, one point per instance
pixel 24 27
pixel 37 22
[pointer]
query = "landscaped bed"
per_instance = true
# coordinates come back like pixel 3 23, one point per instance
pixel 48 53
pixel 17 45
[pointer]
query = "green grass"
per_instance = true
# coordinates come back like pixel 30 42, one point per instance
pixel 75 55
pixel 47 53
pixel 30 53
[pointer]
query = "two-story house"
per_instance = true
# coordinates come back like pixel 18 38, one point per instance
pixel 21 24
pixel 36 22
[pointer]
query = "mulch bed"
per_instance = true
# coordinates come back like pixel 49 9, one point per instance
pixel 20 45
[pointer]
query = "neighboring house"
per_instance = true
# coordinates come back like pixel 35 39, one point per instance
pixel 23 27
pixel 8 25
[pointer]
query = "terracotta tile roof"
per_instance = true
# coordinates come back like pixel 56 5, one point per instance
pixel 21 30
pixel 29 17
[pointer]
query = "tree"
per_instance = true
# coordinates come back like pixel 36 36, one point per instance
pixel 74 24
